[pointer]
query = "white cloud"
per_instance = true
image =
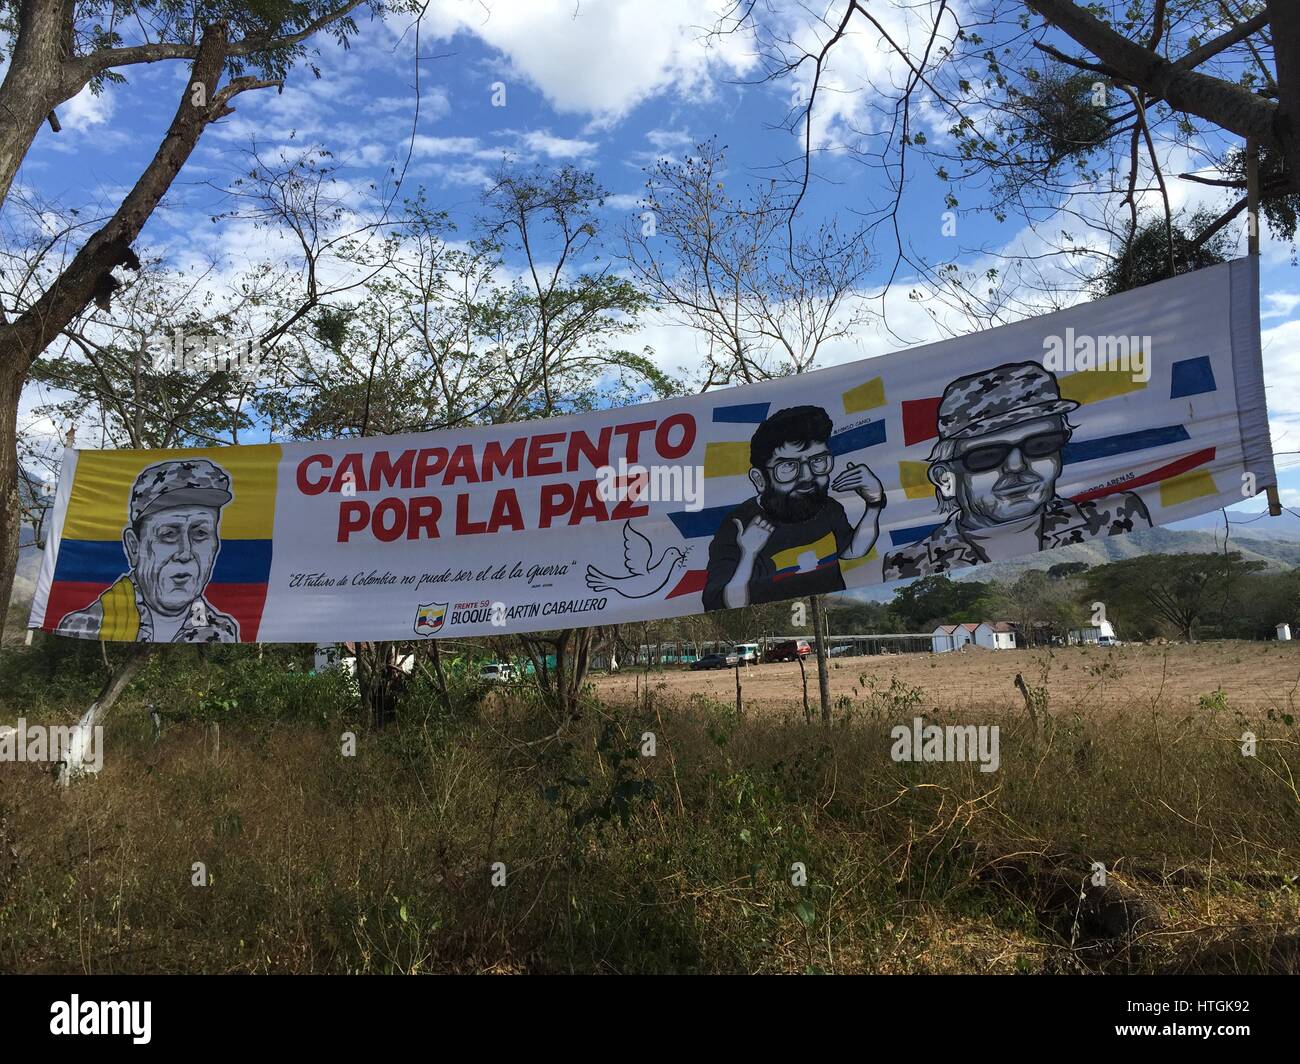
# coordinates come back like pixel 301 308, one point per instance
pixel 435 103
pixel 426 146
pixel 475 175
pixel 86 110
pixel 666 139
pixel 1278 304
pixel 542 142
pixel 601 57
pixel 1281 345
pixel 625 201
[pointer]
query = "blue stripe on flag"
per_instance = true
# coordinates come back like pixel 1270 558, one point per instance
pixel 241 561
pixel 741 414
pixel 1191 376
pixel 1087 450
pixel 700 523
pixel 900 537
pixel 855 439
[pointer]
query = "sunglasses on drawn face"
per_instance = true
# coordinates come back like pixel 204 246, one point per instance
pixel 992 455
pixel 787 469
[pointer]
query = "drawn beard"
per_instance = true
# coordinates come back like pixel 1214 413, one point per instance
pixel 789 508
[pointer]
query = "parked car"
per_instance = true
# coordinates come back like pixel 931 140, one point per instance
pixel 717 661
pixel 787 650
pixel 1109 641
pixel 840 650
pixel 498 672
pixel 747 652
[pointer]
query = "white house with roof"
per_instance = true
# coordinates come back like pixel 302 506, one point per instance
pixel 992 635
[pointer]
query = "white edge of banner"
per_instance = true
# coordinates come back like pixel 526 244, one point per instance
pixel 54 533
pixel 1248 373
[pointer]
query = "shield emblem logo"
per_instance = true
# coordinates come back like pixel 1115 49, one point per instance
pixel 430 617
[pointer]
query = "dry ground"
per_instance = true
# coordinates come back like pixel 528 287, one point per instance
pixel 1172 678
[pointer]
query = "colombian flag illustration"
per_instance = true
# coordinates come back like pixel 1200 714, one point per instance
pixel 806 559
pixel 92 559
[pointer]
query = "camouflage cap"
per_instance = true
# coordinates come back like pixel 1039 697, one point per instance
pixel 196 482
pixel 998 398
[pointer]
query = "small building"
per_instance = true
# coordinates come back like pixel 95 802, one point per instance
pixel 344 656
pixel 1102 632
pixel 992 635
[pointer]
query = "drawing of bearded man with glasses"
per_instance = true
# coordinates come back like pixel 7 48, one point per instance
pixel 995 468
pixel 788 540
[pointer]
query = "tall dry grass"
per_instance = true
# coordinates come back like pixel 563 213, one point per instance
pixel 619 862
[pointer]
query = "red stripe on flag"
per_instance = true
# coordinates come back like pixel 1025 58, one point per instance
pixel 920 419
pixel 244 602
pixel 693 581
pixel 68 596
pixel 1164 472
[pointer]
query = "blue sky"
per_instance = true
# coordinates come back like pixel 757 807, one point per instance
pixel 608 85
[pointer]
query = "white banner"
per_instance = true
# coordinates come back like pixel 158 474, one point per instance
pixel 1137 410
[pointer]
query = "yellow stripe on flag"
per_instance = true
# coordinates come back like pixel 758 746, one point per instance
pixel 810 553
pixel 727 459
pixel 1187 486
pixel 1091 386
pixel 866 396
pixel 101 491
pixel 849 564
pixel 121 622
pixel 916 484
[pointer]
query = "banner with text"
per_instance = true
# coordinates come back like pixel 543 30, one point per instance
pixel 1137 410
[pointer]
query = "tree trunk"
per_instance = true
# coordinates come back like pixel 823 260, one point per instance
pixel 1284 22
pixel 563 685
pixel 74 762
pixel 34 83
pixel 1232 107
pixel 803 675
pixel 380 681
pixel 23 339
pixel 435 656
pixel 23 108
pixel 823 672
pixel 11 386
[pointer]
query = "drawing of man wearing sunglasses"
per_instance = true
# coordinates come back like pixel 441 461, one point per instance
pixel 995 468
pixel 788 540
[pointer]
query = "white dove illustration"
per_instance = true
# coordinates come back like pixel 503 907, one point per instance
pixel 642 578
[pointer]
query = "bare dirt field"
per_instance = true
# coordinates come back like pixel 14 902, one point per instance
pixel 1254 677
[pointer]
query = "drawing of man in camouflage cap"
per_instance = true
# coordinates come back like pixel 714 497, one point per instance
pixel 171 542
pixel 994 469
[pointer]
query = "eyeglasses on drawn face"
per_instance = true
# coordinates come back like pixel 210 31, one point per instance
pixel 992 455
pixel 787 469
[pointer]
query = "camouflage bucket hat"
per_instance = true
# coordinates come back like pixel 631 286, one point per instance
pixel 197 482
pixel 999 398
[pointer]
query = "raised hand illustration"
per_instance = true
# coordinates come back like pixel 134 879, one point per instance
pixel 645 574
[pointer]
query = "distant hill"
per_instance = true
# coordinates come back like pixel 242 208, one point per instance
pixel 29 566
pixel 29 557
pixel 1275 553
pixel 1249 525
pixel 1274 541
